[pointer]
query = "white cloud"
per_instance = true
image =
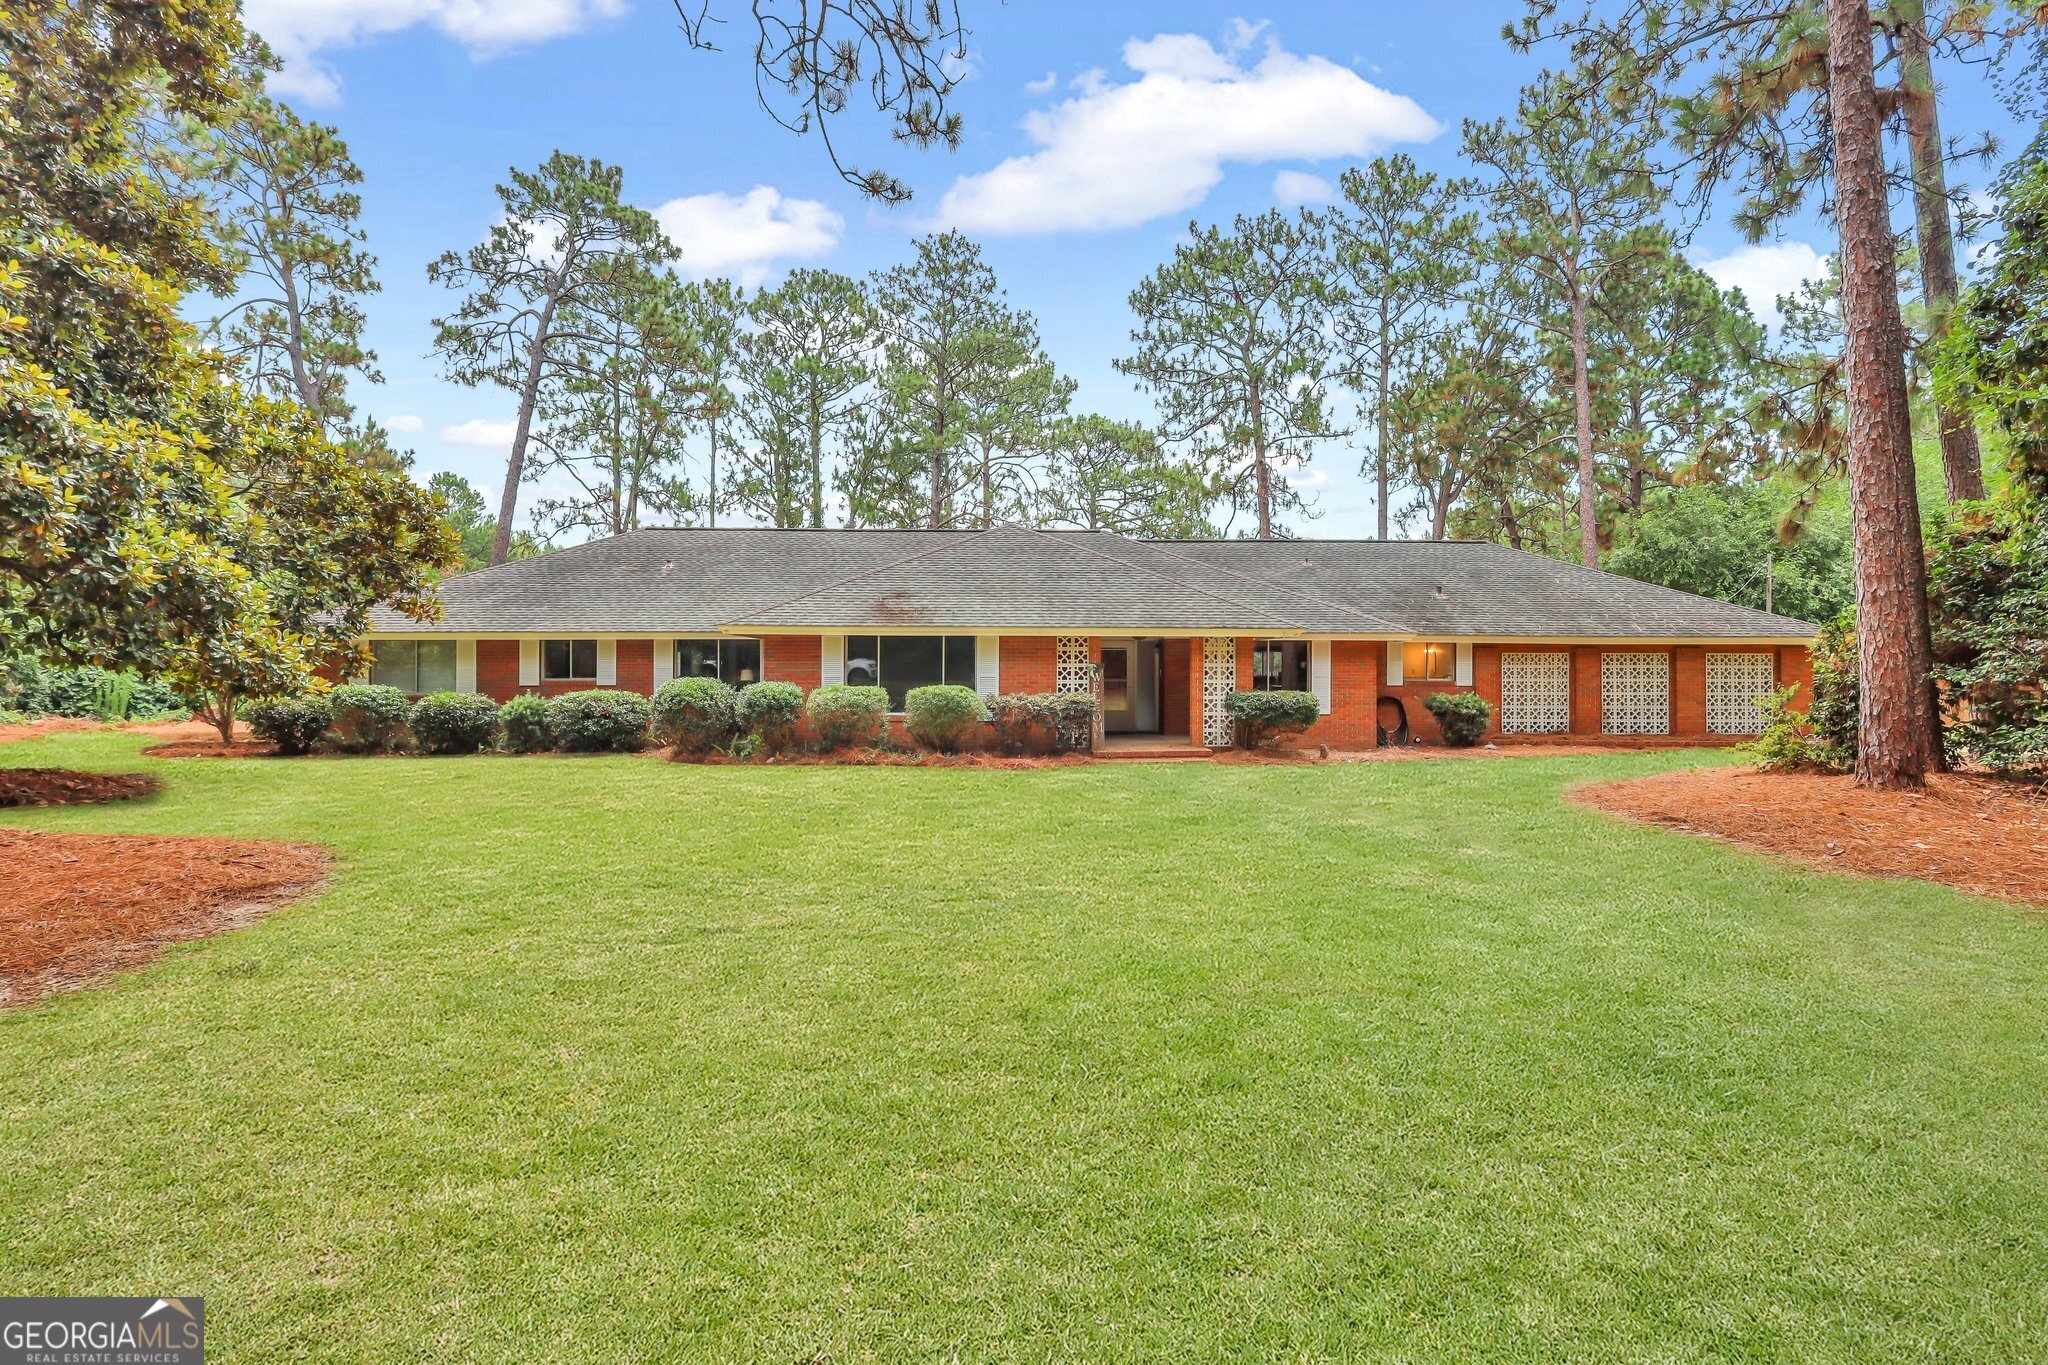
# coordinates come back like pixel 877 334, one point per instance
pixel 479 434
pixel 404 424
pixel 301 31
pixel 1299 187
pixel 1764 274
pixel 744 235
pixel 1116 155
pixel 1043 84
pixel 1308 479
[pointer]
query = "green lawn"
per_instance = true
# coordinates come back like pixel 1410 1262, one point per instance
pixel 609 1059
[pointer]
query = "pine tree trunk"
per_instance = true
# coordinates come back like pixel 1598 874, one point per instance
pixel 1262 477
pixel 1380 452
pixel 1894 746
pixel 1582 395
pixel 1962 463
pixel 529 395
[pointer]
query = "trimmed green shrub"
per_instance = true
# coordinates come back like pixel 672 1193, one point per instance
pixel 693 716
pixel 1072 716
pixel 943 718
pixel 1064 720
pixel 1263 718
pixel 771 711
pixel 848 717
pixel 1462 716
pixel 1787 743
pixel 1017 720
pixel 293 724
pixel 367 718
pixel 598 721
pixel 454 722
pixel 523 725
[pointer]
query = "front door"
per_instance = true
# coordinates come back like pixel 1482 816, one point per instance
pixel 1116 688
pixel 1130 687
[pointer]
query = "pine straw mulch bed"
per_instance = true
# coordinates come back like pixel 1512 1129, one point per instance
pixel 68 787
pixel 64 725
pixel 212 748
pixel 1975 833
pixel 80 907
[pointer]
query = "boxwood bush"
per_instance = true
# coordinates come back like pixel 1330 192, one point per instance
pixel 523 725
pixel 771 711
pixel 944 718
pixel 693 716
pixel 368 718
pixel 454 722
pixel 598 721
pixel 1263 718
pixel 848 717
pixel 1462 716
pixel 293 724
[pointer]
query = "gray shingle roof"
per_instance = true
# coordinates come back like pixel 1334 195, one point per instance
pixel 1472 588
pixel 1009 576
pixel 683 581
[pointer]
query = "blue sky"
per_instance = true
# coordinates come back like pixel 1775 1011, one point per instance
pixel 1094 134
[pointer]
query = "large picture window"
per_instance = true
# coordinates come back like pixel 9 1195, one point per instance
pixel 568 660
pixel 414 666
pixel 1280 666
pixel 901 662
pixel 736 663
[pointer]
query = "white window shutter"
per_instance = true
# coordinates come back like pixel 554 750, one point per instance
pixel 988 665
pixel 1319 673
pixel 607 663
pixel 1394 663
pixel 529 663
pixel 1465 664
pixel 664 662
pixel 465 665
pixel 831 660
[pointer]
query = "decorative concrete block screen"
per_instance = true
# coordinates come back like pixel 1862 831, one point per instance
pixel 1071 664
pixel 1736 687
pixel 1635 694
pixel 1219 680
pixel 1535 693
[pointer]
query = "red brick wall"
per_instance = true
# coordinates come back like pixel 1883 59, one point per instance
pixel 1795 668
pixel 796 659
pixel 497 669
pixel 636 666
pixel 1173 687
pixel 1353 722
pixel 1030 663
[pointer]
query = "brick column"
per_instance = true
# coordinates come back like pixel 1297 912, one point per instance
pixel 1689 690
pixel 1795 668
pixel 1486 681
pixel 1585 690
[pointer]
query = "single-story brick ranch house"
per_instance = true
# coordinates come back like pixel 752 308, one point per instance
pixel 1168 628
